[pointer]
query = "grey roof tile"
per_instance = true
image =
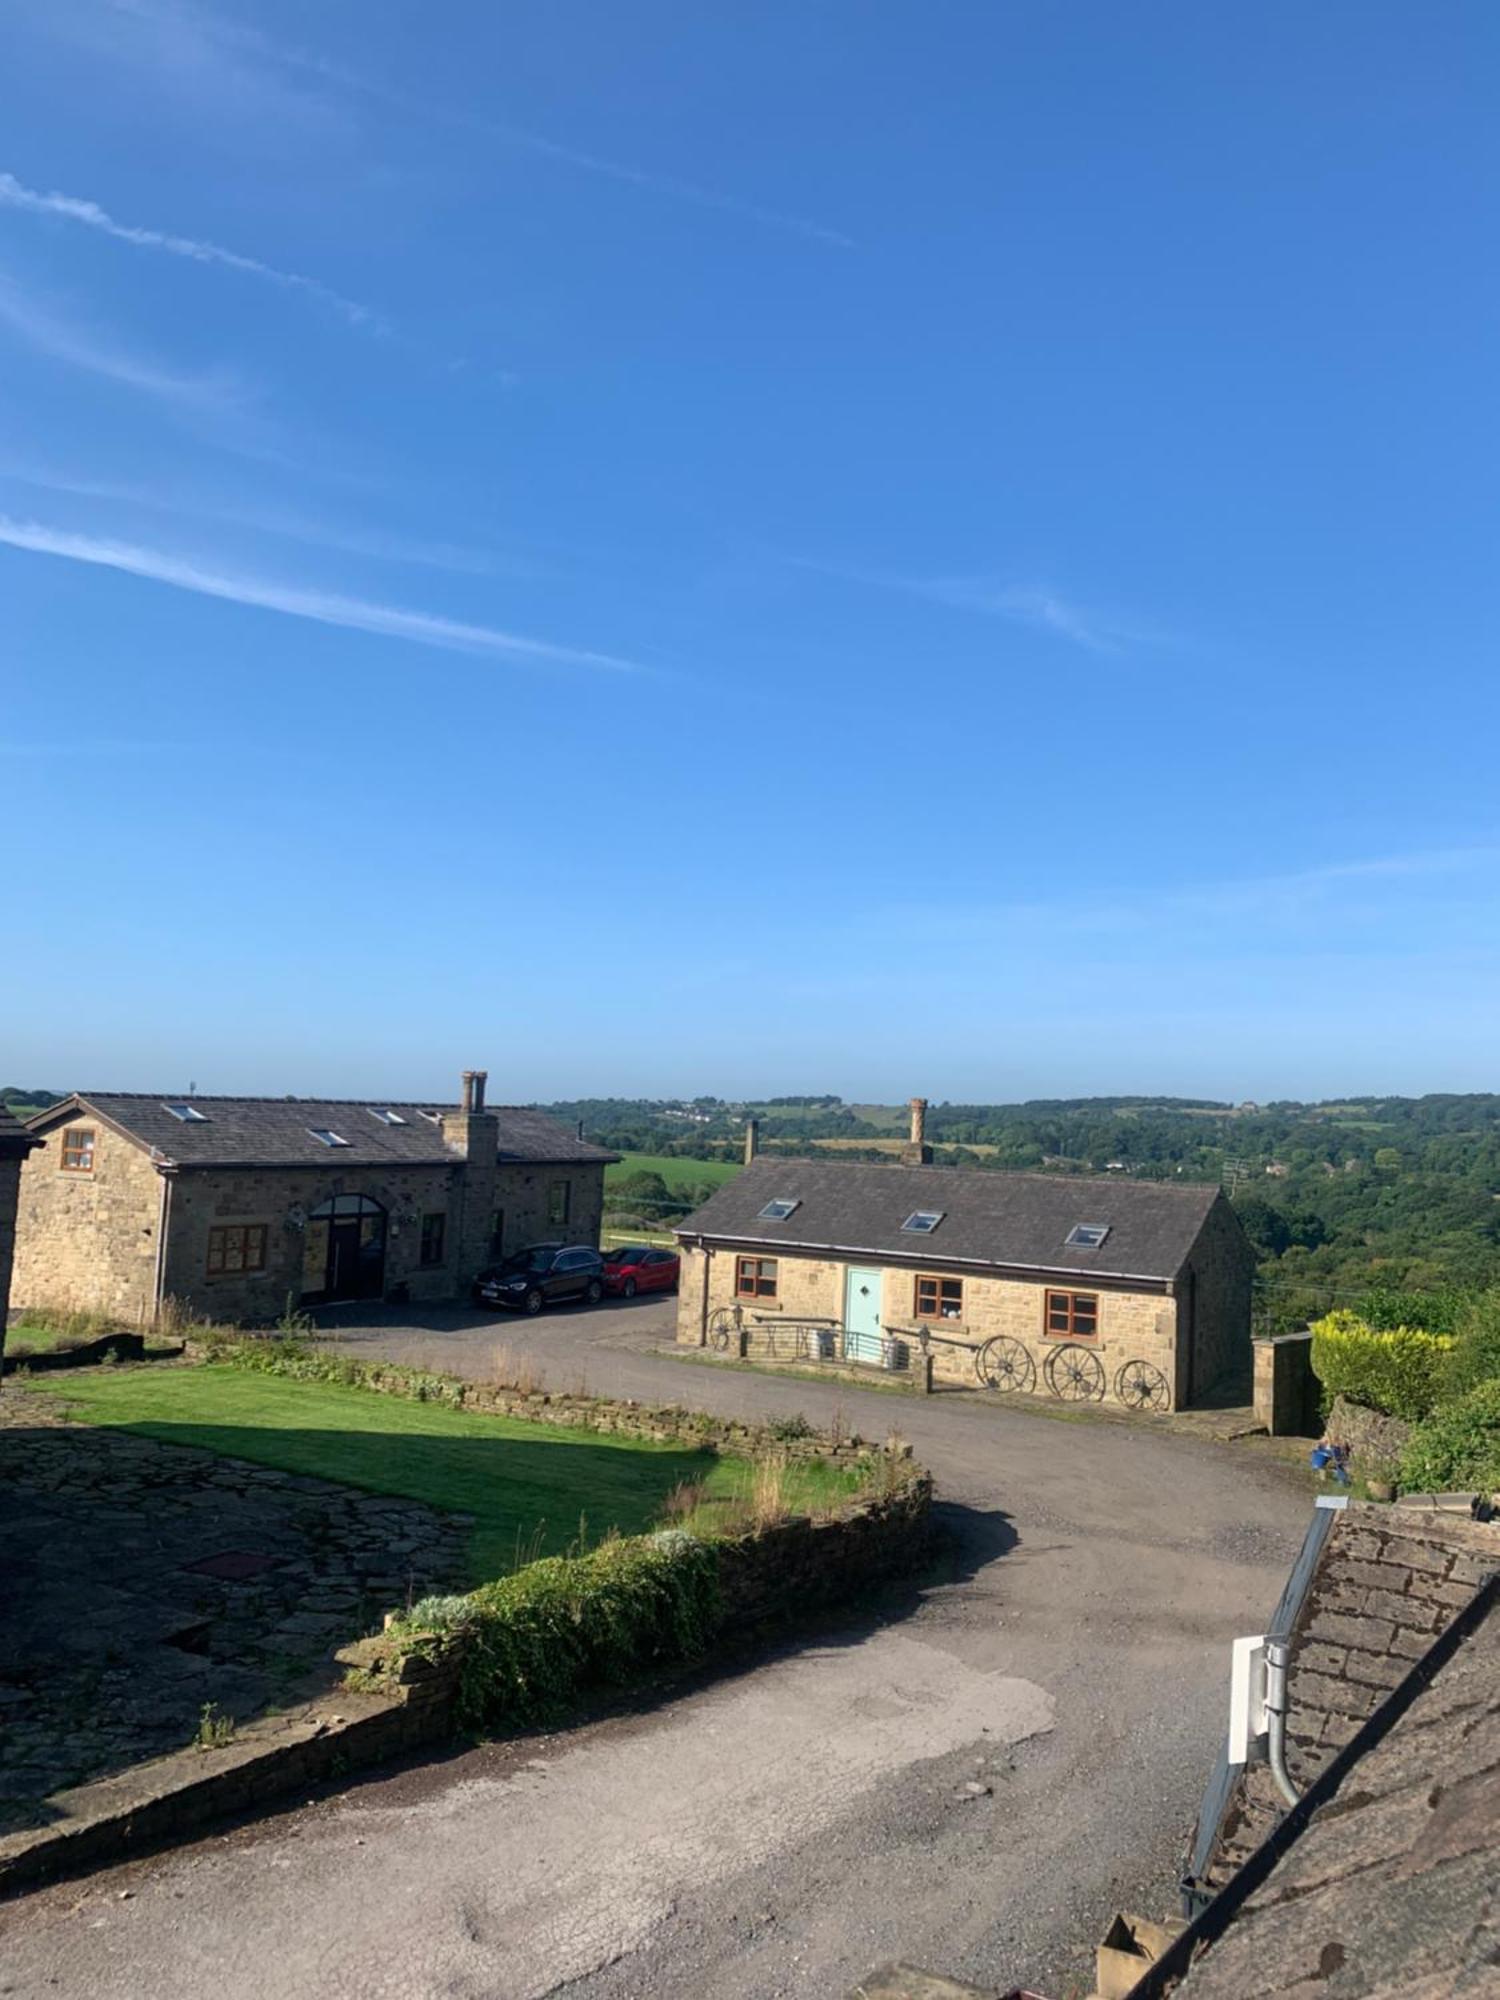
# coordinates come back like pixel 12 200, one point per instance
pixel 1012 1219
pixel 278 1131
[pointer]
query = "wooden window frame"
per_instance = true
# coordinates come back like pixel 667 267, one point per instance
pixel 253 1245
pixel 1066 1307
pixel 756 1277
pixel 78 1140
pixel 565 1189
pixel 425 1259
pixel 932 1306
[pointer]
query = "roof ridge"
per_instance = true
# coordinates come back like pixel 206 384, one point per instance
pixel 1091 1179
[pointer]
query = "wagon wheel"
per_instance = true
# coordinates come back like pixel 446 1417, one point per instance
pixel 1075 1374
pixel 1139 1386
pixel 721 1328
pixel 1003 1363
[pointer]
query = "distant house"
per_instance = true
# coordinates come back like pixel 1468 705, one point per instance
pixel 1120 1289
pixel 235 1205
pixel 15 1143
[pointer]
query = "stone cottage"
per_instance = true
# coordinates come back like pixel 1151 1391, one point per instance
pixel 1080 1287
pixel 234 1206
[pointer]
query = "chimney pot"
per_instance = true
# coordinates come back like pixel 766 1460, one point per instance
pixel 481 1078
pixel 752 1139
pixel 466 1092
pixel 918 1120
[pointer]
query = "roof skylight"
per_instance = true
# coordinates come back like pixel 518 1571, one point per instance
pixel 923 1221
pixel 778 1210
pixel 326 1137
pixel 188 1113
pixel 386 1116
pixel 1087 1235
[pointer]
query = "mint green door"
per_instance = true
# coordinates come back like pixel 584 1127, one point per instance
pixel 862 1337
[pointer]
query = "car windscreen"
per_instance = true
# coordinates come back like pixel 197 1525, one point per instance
pixel 531 1260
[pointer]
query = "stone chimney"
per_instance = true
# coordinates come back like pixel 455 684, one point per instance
pixel 474 1135
pixel 917 1152
pixel 752 1139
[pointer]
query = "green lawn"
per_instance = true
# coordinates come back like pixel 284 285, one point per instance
pixel 40 1339
pixel 527 1485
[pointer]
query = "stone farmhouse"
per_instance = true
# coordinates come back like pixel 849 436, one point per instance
pixel 15 1143
pixel 235 1205
pixel 1080 1287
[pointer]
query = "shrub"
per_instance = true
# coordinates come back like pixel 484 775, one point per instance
pixel 1458 1447
pixel 1401 1371
pixel 1440 1311
pixel 1476 1353
pixel 534 1641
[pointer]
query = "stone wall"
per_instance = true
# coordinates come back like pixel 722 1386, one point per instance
pixel 91 1240
pixel 1285 1389
pixel 88 1239
pixel 784 1572
pixel 1388 1583
pixel 1133 1325
pixel 662 1423
pixel 203 1198
pixel 1214 1298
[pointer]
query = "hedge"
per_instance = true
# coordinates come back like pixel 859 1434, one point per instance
pixel 532 1642
pixel 1458 1448
pixel 1401 1372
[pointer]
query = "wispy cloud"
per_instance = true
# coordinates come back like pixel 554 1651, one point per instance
pixel 235 39
pixel 1327 895
pixel 73 208
pixel 323 607
pixel 1043 609
pixel 375 542
pixel 62 341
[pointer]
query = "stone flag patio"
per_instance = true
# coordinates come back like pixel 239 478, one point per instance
pixel 141 1582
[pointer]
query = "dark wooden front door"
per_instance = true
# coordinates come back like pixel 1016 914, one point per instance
pixel 345 1252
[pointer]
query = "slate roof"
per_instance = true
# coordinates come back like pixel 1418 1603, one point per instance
pixel 14 1137
pixel 277 1131
pixel 1386 1584
pixel 1389 1887
pixel 1018 1221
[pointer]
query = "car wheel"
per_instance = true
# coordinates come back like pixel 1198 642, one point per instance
pixel 627 1290
pixel 533 1301
pixel 594 1291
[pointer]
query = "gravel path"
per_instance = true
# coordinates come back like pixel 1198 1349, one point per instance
pixel 974 1786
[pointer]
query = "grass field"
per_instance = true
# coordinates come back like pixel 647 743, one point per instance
pixel 675 1172
pixel 528 1486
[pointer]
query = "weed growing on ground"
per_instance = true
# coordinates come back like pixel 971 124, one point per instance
pixel 684 1500
pixel 215 1728
pixel 768 1491
pixel 517 1371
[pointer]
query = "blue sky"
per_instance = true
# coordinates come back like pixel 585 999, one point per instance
pixel 746 548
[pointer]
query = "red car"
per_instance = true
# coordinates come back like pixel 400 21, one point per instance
pixel 636 1268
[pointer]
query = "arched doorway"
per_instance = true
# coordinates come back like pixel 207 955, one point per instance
pixel 343 1251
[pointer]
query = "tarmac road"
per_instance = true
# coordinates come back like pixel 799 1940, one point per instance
pixel 973 1786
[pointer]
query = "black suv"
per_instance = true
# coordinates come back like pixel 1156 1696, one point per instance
pixel 541 1276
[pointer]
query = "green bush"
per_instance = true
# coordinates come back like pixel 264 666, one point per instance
pixel 533 1642
pixel 1476 1353
pixel 1438 1311
pixel 1402 1372
pixel 1458 1448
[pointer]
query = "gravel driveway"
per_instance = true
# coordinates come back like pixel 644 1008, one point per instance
pixel 973 1787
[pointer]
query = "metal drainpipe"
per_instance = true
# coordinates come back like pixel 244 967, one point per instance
pixel 1278 1658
